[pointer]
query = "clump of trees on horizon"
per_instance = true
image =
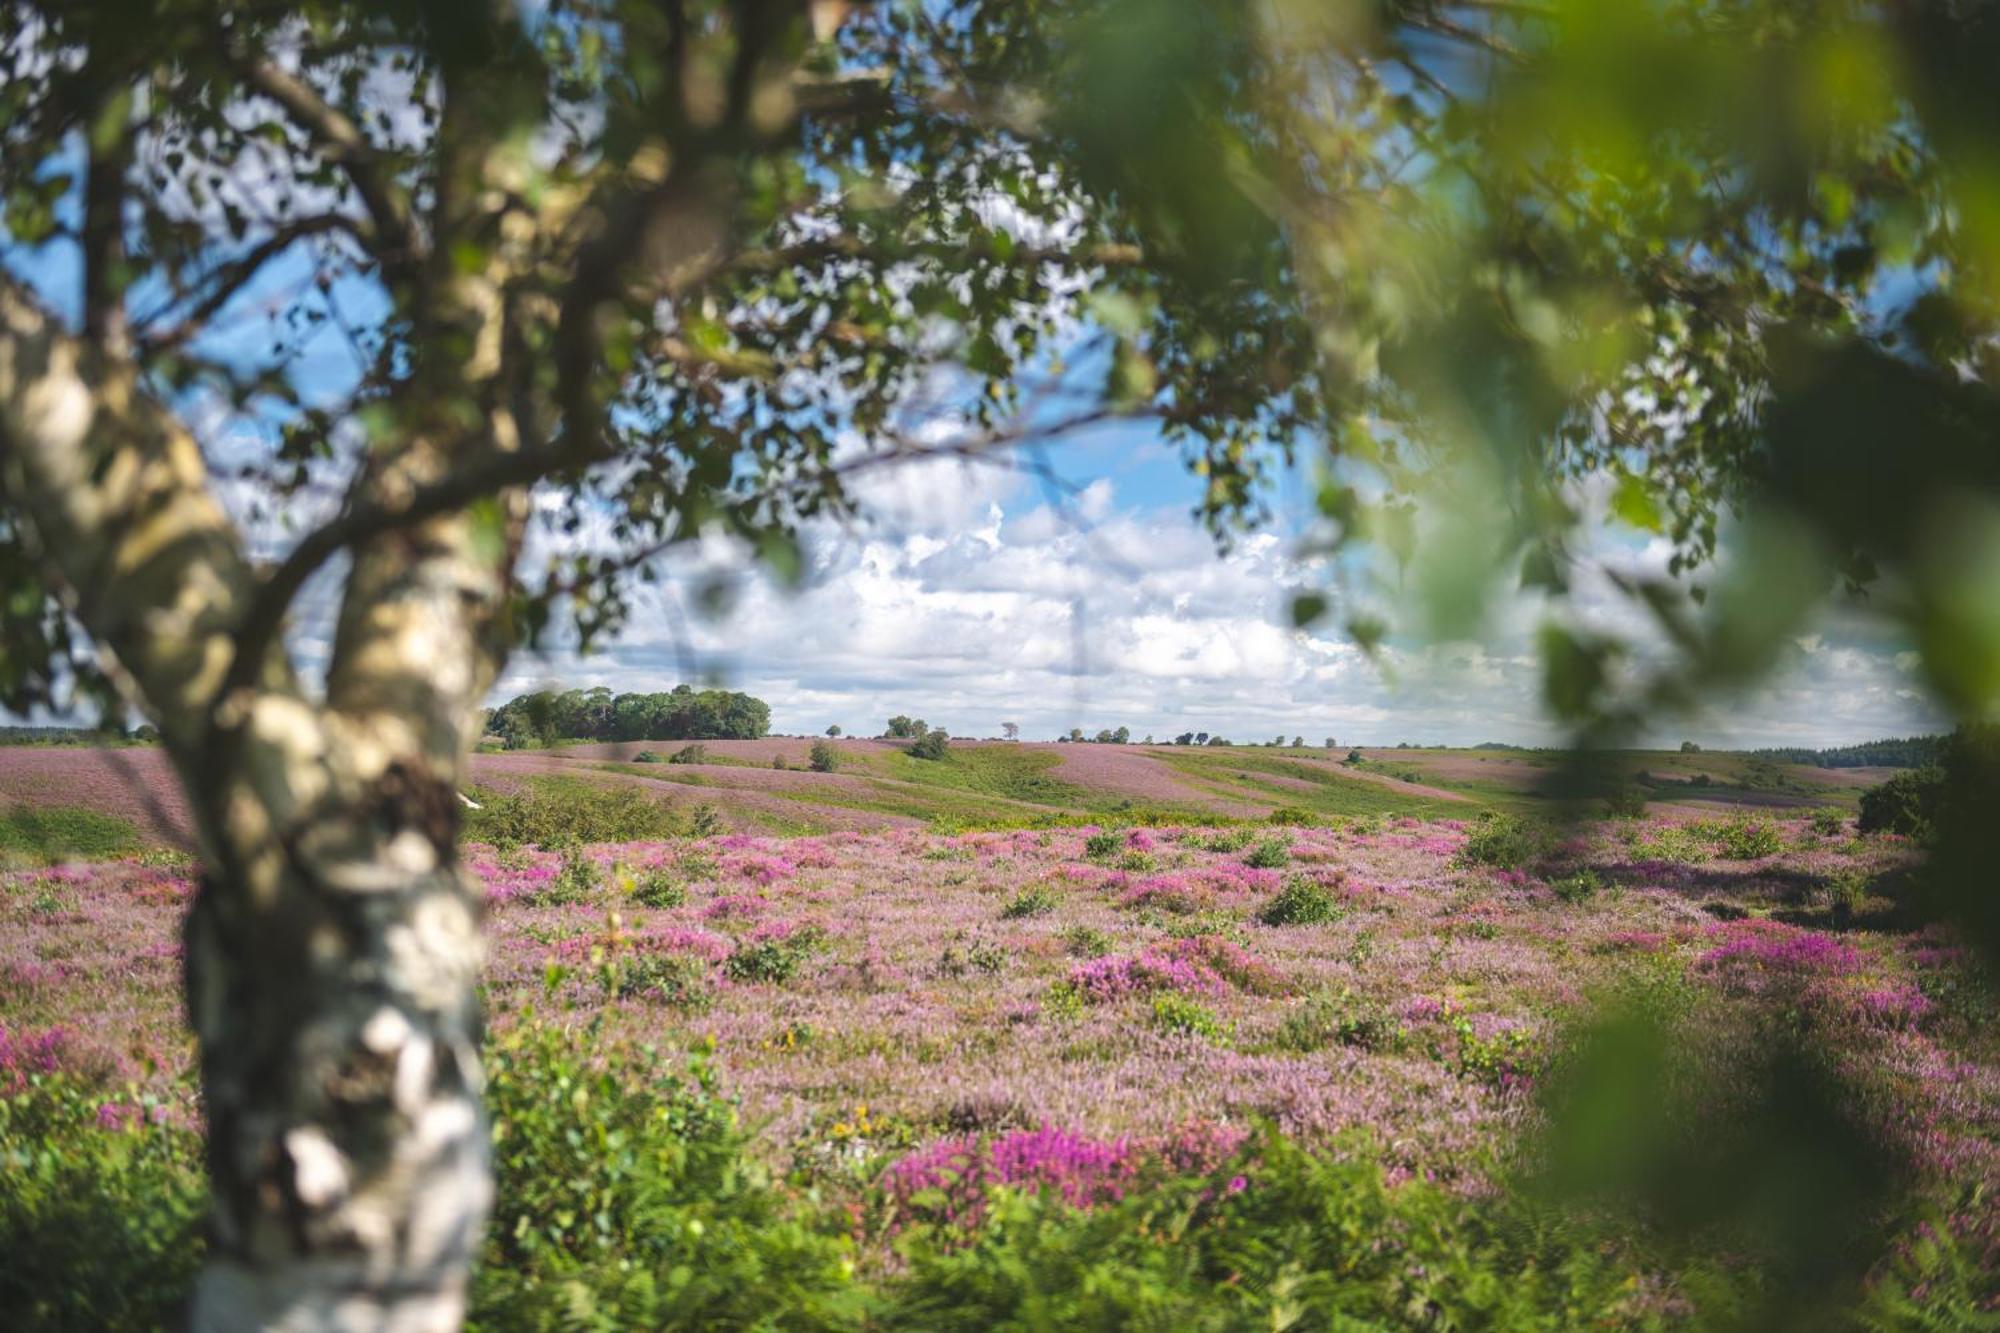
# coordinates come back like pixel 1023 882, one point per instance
pixel 1904 752
pixel 682 713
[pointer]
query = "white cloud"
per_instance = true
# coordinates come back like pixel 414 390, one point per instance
pixel 974 602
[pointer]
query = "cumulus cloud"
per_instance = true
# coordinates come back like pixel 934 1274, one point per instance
pixel 973 600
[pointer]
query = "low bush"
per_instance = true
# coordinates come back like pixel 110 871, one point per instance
pixel 659 888
pixel 627 1200
pixel 1504 842
pixel 1828 821
pixel 772 961
pixel 1626 801
pixel 930 745
pixel 665 978
pixel 1329 1017
pixel 1180 1015
pixel 1303 901
pixel 100 1225
pixel 823 758
pixel 1209 1253
pixel 1290 816
pixel 1103 846
pixel 689 754
pixel 556 811
pixel 1086 942
pixel 573 882
pixel 1750 839
pixel 1269 854
pixel 649 757
pixel 1907 803
pixel 1035 900
pixel 1225 841
pixel 1577 888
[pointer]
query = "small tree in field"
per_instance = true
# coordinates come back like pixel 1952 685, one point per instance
pixel 833 730
pixel 823 757
pixel 931 745
pixel 1011 730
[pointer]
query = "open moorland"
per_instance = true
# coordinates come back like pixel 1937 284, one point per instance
pixel 767 786
pixel 1110 974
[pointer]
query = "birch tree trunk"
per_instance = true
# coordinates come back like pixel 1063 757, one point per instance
pixel 333 949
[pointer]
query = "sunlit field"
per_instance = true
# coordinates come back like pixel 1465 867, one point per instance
pixel 910 1023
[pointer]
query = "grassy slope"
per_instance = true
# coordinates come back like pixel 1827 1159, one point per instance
pixel 62 833
pixel 1240 775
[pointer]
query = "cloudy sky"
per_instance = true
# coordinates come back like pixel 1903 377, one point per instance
pixel 976 597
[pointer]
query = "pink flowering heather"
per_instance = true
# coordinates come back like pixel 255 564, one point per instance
pixel 1103 980
pixel 1081 1171
pixel 1206 965
pixel 24 1054
pixel 1771 946
pixel 1896 1004
pixel 735 906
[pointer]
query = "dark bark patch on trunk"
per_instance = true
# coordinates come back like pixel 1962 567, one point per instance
pixel 408 795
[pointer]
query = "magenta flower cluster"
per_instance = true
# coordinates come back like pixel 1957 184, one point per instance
pixel 23 1054
pixel 1772 946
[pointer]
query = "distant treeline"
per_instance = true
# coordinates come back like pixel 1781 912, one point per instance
pixel 1909 752
pixel 681 714
pixel 72 736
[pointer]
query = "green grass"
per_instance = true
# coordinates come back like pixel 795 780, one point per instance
pixel 984 787
pixel 1236 774
pixel 63 833
pixel 988 770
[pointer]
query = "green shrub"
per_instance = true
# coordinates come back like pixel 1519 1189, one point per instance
pixel 1328 1017
pixel 670 979
pixel 1844 893
pixel 1138 862
pixel 649 757
pixel 986 957
pixel 823 758
pixel 1312 1243
pixel 1750 839
pixel 1063 1001
pixel 1505 842
pixel 1626 801
pixel 555 811
pixel 659 888
pixel 573 883
pixel 774 961
pixel 1269 854
pixel 1035 900
pixel 1907 803
pixel 627 1200
pixel 1182 1015
pixel 1577 888
pixel 1226 841
pixel 1103 846
pixel 100 1228
pixel 704 821
pixel 1290 816
pixel 690 754
pixel 930 745
pixel 1086 942
pixel 1829 821
pixel 1303 901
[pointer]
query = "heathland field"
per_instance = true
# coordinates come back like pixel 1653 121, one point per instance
pixel 91 800
pixel 1167 989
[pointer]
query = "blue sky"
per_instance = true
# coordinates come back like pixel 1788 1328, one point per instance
pixel 969 599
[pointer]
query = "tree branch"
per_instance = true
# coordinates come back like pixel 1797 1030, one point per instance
pixel 115 494
pixel 342 142
pixel 229 279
